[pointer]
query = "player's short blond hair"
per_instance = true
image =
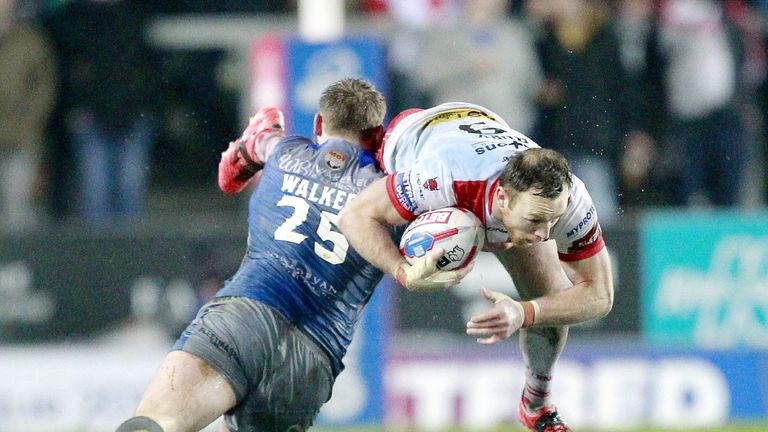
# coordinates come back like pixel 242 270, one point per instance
pixel 544 170
pixel 352 105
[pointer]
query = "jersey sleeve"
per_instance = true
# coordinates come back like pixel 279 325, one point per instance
pixel 424 187
pixel 577 233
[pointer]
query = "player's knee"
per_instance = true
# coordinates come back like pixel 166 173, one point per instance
pixel 140 424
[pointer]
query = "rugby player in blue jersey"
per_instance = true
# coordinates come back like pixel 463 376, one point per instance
pixel 266 350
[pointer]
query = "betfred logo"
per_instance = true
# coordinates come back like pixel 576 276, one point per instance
pixel 433 217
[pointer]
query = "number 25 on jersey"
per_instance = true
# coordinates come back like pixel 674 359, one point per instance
pixel 287 230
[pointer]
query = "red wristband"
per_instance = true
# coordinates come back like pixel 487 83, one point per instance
pixel 529 313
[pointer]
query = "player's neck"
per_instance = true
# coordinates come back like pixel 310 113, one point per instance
pixel 321 139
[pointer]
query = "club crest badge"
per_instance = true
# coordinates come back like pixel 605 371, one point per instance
pixel 335 160
pixel 431 184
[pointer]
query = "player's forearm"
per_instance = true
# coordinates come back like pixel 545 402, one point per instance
pixel 371 239
pixel 590 297
pixel 581 302
pixel 365 222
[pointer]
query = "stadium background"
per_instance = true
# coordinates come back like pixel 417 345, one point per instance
pixel 86 315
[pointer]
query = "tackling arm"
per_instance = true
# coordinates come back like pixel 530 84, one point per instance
pixel 364 222
pixel 246 156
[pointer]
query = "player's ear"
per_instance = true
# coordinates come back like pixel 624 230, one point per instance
pixel 502 197
pixel 317 125
pixel 371 138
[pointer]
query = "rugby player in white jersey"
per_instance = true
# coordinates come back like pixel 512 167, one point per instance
pixel 540 223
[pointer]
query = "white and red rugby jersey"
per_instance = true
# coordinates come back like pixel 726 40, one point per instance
pixel 453 154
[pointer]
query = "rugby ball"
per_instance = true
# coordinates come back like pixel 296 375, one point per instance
pixel 456 230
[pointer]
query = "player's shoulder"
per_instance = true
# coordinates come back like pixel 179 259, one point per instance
pixel 333 161
pixel 580 215
pixel 577 233
pixel 293 141
pixel 293 147
pixel 345 161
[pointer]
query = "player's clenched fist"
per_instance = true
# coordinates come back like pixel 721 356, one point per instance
pixel 424 275
pixel 503 320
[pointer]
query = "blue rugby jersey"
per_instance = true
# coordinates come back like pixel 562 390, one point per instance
pixel 297 261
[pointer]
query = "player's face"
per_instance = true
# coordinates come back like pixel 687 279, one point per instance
pixel 529 218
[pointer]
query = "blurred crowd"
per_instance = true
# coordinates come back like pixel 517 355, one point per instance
pixel 655 102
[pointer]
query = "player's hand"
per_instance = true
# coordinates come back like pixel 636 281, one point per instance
pixel 242 161
pixel 423 275
pixel 498 323
pixel 266 120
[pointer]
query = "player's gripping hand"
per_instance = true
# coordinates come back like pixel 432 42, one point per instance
pixel 265 118
pixel 503 320
pixel 423 275
pixel 255 144
pixel 245 157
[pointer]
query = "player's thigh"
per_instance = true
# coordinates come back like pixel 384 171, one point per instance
pixel 296 381
pixel 186 394
pixel 536 269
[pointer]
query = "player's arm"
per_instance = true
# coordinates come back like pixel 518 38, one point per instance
pixel 588 293
pixel 364 221
pixel 246 156
pixel 589 296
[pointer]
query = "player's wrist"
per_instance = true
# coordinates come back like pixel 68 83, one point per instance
pixel 246 157
pixel 531 312
pixel 528 311
pixel 409 276
pixel 400 274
